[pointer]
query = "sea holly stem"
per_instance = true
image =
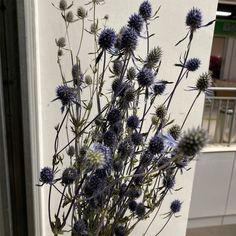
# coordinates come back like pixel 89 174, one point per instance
pixel 81 38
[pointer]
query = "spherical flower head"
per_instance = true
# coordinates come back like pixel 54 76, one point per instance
pixel 162 162
pixel 63 5
pixel 107 39
pixel 153 57
pixel 110 138
pixel 95 158
pixel 88 80
pixel 125 148
pixel 80 227
pixel 161 112
pixel 192 142
pixel 46 175
pixel 132 205
pixel 159 89
pixel 61 42
pixel 114 116
pixel 204 82
pixel 136 22
pixel 140 210
pixel 145 10
pixel 175 131
pixel 69 175
pixel 71 151
pixel 65 94
pixel 193 64
pixel 175 206
pixel 156 145
pixel 134 192
pixel 118 165
pixel 129 39
pixel 69 17
pixel 169 182
pixel 146 159
pixel 131 73
pixel 81 13
pixel 194 19
pixel 137 138
pixel 145 77
pixel 129 95
pixel 133 122
pixel 119 230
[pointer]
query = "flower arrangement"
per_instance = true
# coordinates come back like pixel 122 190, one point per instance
pixel 118 172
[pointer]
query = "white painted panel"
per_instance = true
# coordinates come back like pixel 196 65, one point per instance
pixel 231 206
pixel 211 184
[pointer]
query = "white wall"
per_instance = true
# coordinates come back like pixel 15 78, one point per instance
pixel 169 29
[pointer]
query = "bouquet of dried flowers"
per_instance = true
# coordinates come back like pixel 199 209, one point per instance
pixel 118 170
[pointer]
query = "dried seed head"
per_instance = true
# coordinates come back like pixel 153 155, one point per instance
pixel 69 16
pixel 81 13
pixel 63 5
pixel 131 73
pixel 153 57
pixel 61 42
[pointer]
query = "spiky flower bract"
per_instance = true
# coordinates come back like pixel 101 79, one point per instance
pixel 125 148
pixel 133 122
pixel 159 88
pixel 131 73
pixel 110 138
pixel 114 116
pixel 192 142
pixel 137 138
pixel 153 57
pixel 81 13
pixel 46 175
pixel 194 19
pixel 175 131
pixel 65 94
pixel 175 206
pixel 69 175
pixel 145 77
pixel 204 82
pixel 161 112
pixel 140 209
pixel 129 40
pixel 80 227
pixel 169 182
pixel 145 10
pixel 107 39
pixel 156 145
pixel 136 22
pixel 193 64
pixel 146 159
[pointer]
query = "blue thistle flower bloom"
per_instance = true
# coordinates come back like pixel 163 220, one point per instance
pixel 110 138
pixel 146 158
pixel 175 206
pixel 65 94
pixel 46 175
pixel 125 148
pixel 194 19
pixel 132 205
pixel 137 138
pixel 129 39
pixel 134 192
pixel 119 230
pixel 169 182
pixel 80 227
pixel 145 10
pixel 69 175
pixel 159 88
pixel 133 122
pixel 107 38
pixel 162 161
pixel 140 209
pixel 114 116
pixel 192 64
pixel 156 145
pixel 136 22
pixel 145 77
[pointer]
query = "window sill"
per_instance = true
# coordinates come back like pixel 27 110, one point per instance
pixel 219 148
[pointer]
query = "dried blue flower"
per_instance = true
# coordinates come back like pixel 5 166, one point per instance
pixel 192 142
pixel 153 57
pixel 169 182
pixel 145 77
pixel 137 138
pixel 134 192
pixel 163 161
pixel 46 175
pixel 161 112
pixel 133 122
pixel 132 205
pixel 136 22
pixel 192 64
pixel 175 131
pixel 69 175
pixel 80 227
pixel 107 38
pixel 156 145
pixel 125 148
pixel 129 40
pixel 140 210
pixel 113 116
pixel 194 19
pixel 146 158
pixel 110 138
pixel 145 10
pixel 204 82
pixel 159 88
pixel 119 230
pixel 175 206
pixel 65 94
pixel 131 73
pixel 118 165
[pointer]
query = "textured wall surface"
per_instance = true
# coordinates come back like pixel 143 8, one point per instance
pixel 169 28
